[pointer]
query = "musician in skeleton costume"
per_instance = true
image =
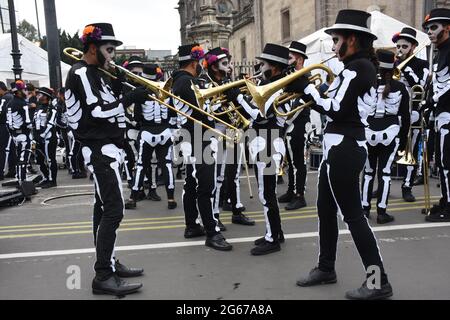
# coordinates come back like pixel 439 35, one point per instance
pixel 199 149
pixel 19 122
pixel 389 123
pixel 267 147
pixel 347 106
pixel 414 73
pixel 156 124
pixel 217 66
pixel 46 139
pixel 5 138
pixel 437 25
pixel 97 118
pixel 136 66
pixel 296 140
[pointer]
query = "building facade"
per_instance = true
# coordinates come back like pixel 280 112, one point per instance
pixel 4 17
pixel 245 26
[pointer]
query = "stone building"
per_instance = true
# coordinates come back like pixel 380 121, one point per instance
pixel 245 26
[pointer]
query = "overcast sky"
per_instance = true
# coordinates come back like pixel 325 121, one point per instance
pixel 146 24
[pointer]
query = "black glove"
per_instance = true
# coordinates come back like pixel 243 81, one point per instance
pixel 137 96
pixel 232 94
pixel 298 86
pixel 117 84
pixel 402 145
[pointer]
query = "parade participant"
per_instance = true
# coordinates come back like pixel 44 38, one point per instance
pixel 296 140
pixel 46 139
pixel 156 123
pixel 97 118
pixel 5 137
pixel 217 65
pixel 415 72
pixel 198 153
pixel 32 105
pixel 61 123
pixel 20 125
pixel 267 148
pixel 437 25
pixel 389 123
pixel 347 107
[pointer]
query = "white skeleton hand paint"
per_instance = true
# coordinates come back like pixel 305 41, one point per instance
pixel 108 51
pixel 433 30
pixel 403 49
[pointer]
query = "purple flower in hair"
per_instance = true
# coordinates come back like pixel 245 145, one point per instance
pixel 91 33
pixel 197 53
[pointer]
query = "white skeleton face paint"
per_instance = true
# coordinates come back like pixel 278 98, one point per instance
pixel 224 66
pixel 266 70
pixel 338 42
pixel 433 30
pixel 403 49
pixel 108 51
pixel 137 70
pixel 291 59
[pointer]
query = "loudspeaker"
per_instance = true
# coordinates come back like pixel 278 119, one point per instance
pixel 27 188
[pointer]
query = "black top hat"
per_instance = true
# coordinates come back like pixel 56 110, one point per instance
pixel 353 20
pixel 408 34
pixel 386 59
pixel 134 61
pixel 99 32
pixel 298 47
pixel 275 53
pixel 46 92
pixel 190 52
pixel 152 72
pixel 437 15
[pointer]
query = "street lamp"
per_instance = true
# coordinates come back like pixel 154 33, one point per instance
pixel 15 53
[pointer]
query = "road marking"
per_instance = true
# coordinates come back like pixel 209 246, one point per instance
pixel 202 243
pixel 226 220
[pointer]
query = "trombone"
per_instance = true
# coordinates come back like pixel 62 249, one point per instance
pixel 398 71
pixel 161 90
pixel 261 94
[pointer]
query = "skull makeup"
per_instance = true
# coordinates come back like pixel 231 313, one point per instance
pixel 105 54
pixel 266 70
pixel 137 71
pixel 224 67
pixel 403 49
pixel 435 31
pixel 339 45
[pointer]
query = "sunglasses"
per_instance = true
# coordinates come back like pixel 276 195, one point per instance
pixel 403 46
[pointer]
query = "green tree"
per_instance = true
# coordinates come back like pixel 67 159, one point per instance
pixel 27 30
pixel 65 41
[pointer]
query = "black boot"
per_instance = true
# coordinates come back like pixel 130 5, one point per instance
pixel 317 277
pixel 364 293
pixel 114 286
pixel 125 272
pixel 440 216
pixel 194 232
pixel 297 203
pixel 171 204
pixel 287 197
pixel 384 218
pixel 218 242
pixel 130 204
pixel 366 212
pixel 153 196
pixel 407 195
pixel 266 248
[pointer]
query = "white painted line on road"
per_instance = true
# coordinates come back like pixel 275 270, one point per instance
pixel 202 243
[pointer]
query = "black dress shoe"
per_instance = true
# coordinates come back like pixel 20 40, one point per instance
pixel 194 232
pixel 317 277
pixel 364 293
pixel 440 216
pixel 240 218
pixel 407 195
pixel 49 184
pixel 221 225
pixel 297 203
pixel 171 205
pixel 266 248
pixel 218 242
pixel 140 195
pixel 419 181
pixel 261 240
pixel 130 204
pixel 227 206
pixel 287 197
pixel 125 272
pixel 153 196
pixel 114 286
pixel 384 218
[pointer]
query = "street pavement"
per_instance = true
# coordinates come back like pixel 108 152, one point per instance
pixel 43 242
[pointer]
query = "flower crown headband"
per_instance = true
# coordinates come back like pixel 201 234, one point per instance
pixel 91 33
pixel 197 53
pixel 210 59
pixel 396 37
pixel 20 85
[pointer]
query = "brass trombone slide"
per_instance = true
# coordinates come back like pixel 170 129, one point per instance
pixel 398 71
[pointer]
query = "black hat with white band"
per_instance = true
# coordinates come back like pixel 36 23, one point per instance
pixel 190 52
pixel 386 59
pixel 408 34
pixel 353 20
pixel 99 32
pixel 298 47
pixel 275 53
pixel 437 15
pixel 46 92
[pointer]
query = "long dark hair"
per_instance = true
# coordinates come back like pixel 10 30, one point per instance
pixel 364 44
pixel 386 75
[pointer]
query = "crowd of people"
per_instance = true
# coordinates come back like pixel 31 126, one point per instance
pixel 119 130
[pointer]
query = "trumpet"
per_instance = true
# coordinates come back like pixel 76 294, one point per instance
pixel 161 91
pixel 261 94
pixel 398 71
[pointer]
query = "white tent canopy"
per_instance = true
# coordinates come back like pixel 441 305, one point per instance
pixel 34 62
pixel 320 45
